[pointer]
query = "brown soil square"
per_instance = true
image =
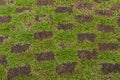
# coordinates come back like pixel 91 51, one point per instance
pixel 86 36
pixel 84 5
pixel 45 2
pixel 85 54
pixel 19 10
pixel 3 60
pixel 43 35
pixel 104 12
pixel 44 56
pixel 18 48
pixel 110 68
pixel 116 6
pixel 107 46
pixel 66 68
pixel 5 19
pixel 106 28
pixel 65 26
pixel 63 9
pixel 82 18
pixel 19 71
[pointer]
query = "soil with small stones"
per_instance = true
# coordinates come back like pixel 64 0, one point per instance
pixel 107 46
pixel 19 10
pixel 65 26
pixel 66 68
pixel 106 28
pixel 86 36
pixel 43 35
pixel 104 12
pixel 116 6
pixel 63 10
pixel 3 60
pixel 19 71
pixel 99 1
pixel 85 54
pixel 2 2
pixel 45 2
pixel 5 19
pixel 44 56
pixel 110 68
pixel 84 18
pixel 118 21
pixel 84 5
pixel 18 48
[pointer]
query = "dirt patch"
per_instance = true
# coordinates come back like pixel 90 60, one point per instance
pixel 65 26
pixel 86 36
pixel 83 18
pixel 3 60
pixel 19 10
pixel 45 2
pixel 104 12
pixel 18 48
pixel 44 56
pixel 118 39
pixel 99 1
pixel 19 71
pixel 110 68
pixel 116 6
pixel 5 19
pixel 85 54
pixel 63 10
pixel 107 46
pixel 118 21
pixel 84 5
pixel 3 38
pixel 66 68
pixel 2 2
pixel 106 28
pixel 43 35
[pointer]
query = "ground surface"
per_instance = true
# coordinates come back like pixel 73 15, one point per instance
pixel 59 39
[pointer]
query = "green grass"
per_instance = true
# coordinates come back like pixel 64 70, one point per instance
pixel 85 69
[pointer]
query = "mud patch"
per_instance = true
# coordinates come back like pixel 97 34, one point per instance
pixel 107 46
pixel 104 12
pixel 3 60
pixel 85 54
pixel 44 56
pixel 63 10
pixel 43 35
pixel 106 28
pixel 110 68
pixel 86 36
pixel 65 26
pixel 84 5
pixel 82 18
pixel 5 19
pixel 45 2
pixel 66 68
pixel 2 2
pixel 18 72
pixel 116 6
pixel 18 48
pixel 19 10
